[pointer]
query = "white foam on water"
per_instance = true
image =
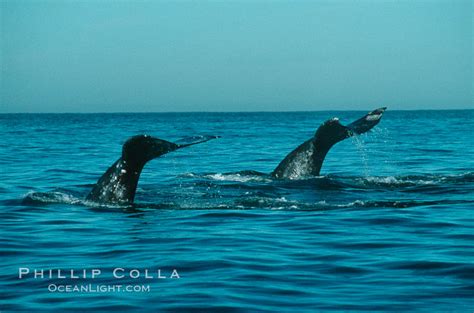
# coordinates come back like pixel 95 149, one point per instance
pixel 53 197
pixel 400 181
pixel 64 198
pixel 237 177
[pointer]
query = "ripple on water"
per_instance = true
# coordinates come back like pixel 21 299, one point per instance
pixel 386 227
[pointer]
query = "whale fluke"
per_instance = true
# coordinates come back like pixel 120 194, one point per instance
pixel 365 123
pixel 119 183
pixel 307 159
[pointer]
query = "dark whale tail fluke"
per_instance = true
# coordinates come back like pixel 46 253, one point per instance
pixel 365 123
pixel 307 159
pixel 119 183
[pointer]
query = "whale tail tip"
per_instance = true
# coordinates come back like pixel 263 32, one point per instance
pixel 367 122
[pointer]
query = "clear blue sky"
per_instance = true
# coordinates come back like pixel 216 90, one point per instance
pixel 135 56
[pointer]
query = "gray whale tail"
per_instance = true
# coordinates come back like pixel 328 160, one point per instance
pixel 307 159
pixel 119 183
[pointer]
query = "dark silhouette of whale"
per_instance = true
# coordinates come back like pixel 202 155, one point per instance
pixel 119 183
pixel 307 159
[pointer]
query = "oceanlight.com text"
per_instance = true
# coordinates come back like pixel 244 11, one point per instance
pixel 92 288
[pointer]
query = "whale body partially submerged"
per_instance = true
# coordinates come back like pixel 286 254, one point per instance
pixel 307 158
pixel 119 183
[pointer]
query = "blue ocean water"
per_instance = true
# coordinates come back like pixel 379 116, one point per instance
pixel 387 227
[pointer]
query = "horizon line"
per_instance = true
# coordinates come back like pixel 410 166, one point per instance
pixel 230 112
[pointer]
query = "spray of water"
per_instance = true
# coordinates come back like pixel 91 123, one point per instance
pixel 358 141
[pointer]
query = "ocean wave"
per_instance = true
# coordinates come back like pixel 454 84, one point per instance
pixel 237 177
pixel 57 197
pixel 413 180
pixel 51 197
pixel 285 204
pixel 424 181
pixel 247 190
pixel 241 176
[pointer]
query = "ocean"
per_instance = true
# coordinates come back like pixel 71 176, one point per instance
pixel 388 226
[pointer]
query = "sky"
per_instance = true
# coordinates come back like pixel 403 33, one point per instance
pixel 174 56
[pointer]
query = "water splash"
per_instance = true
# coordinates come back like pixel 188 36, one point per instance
pixel 237 177
pixel 52 197
pixel 57 197
pixel 359 143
